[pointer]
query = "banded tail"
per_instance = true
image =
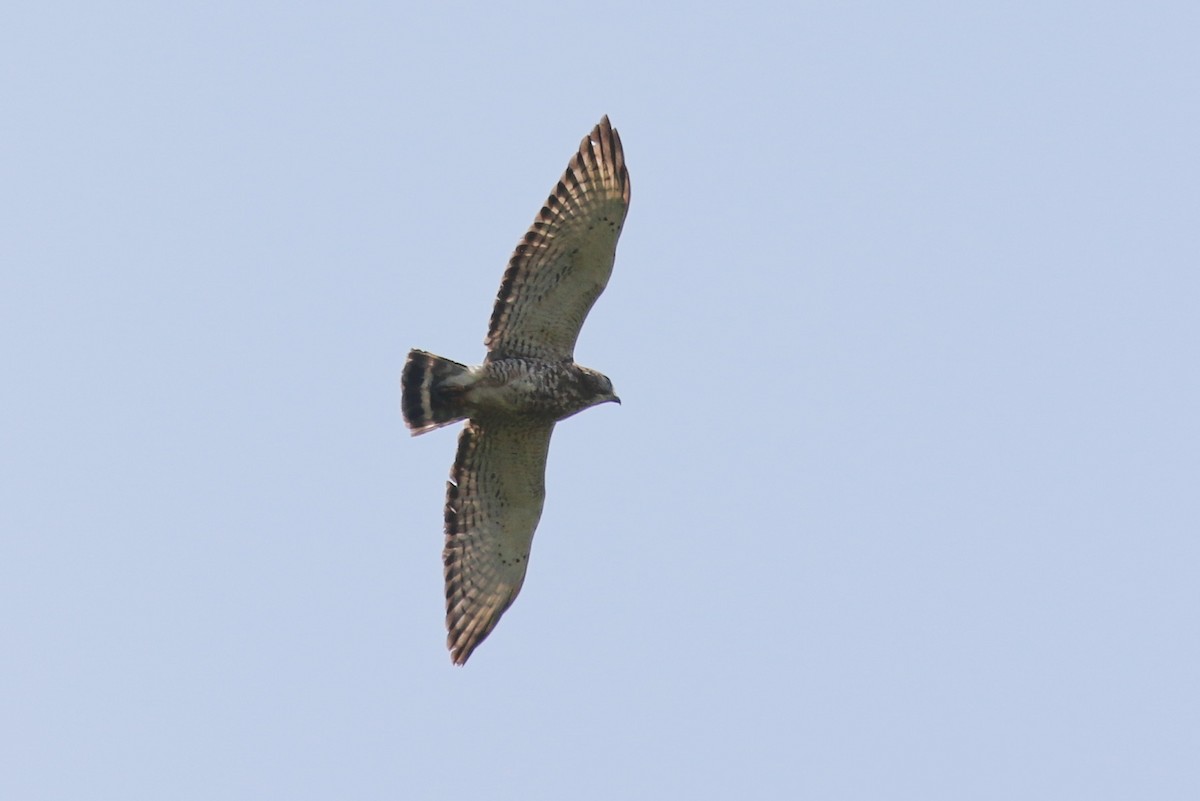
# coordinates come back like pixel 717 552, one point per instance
pixel 428 397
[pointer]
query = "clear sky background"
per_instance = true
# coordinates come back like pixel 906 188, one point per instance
pixel 903 501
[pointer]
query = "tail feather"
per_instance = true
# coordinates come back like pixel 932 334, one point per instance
pixel 427 397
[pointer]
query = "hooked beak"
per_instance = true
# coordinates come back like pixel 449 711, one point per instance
pixel 615 400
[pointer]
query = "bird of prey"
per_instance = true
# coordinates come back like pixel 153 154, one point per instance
pixel 528 382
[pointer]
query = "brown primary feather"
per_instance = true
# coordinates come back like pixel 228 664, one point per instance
pixel 565 259
pixel 493 504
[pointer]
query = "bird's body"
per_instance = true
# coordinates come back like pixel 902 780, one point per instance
pixel 539 390
pixel 528 382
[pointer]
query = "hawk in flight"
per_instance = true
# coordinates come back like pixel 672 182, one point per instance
pixel 527 383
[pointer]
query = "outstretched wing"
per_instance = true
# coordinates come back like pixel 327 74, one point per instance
pixel 563 263
pixel 493 503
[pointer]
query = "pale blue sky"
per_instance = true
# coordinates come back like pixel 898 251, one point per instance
pixel 902 502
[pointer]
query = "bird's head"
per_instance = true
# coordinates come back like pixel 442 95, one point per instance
pixel 597 387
